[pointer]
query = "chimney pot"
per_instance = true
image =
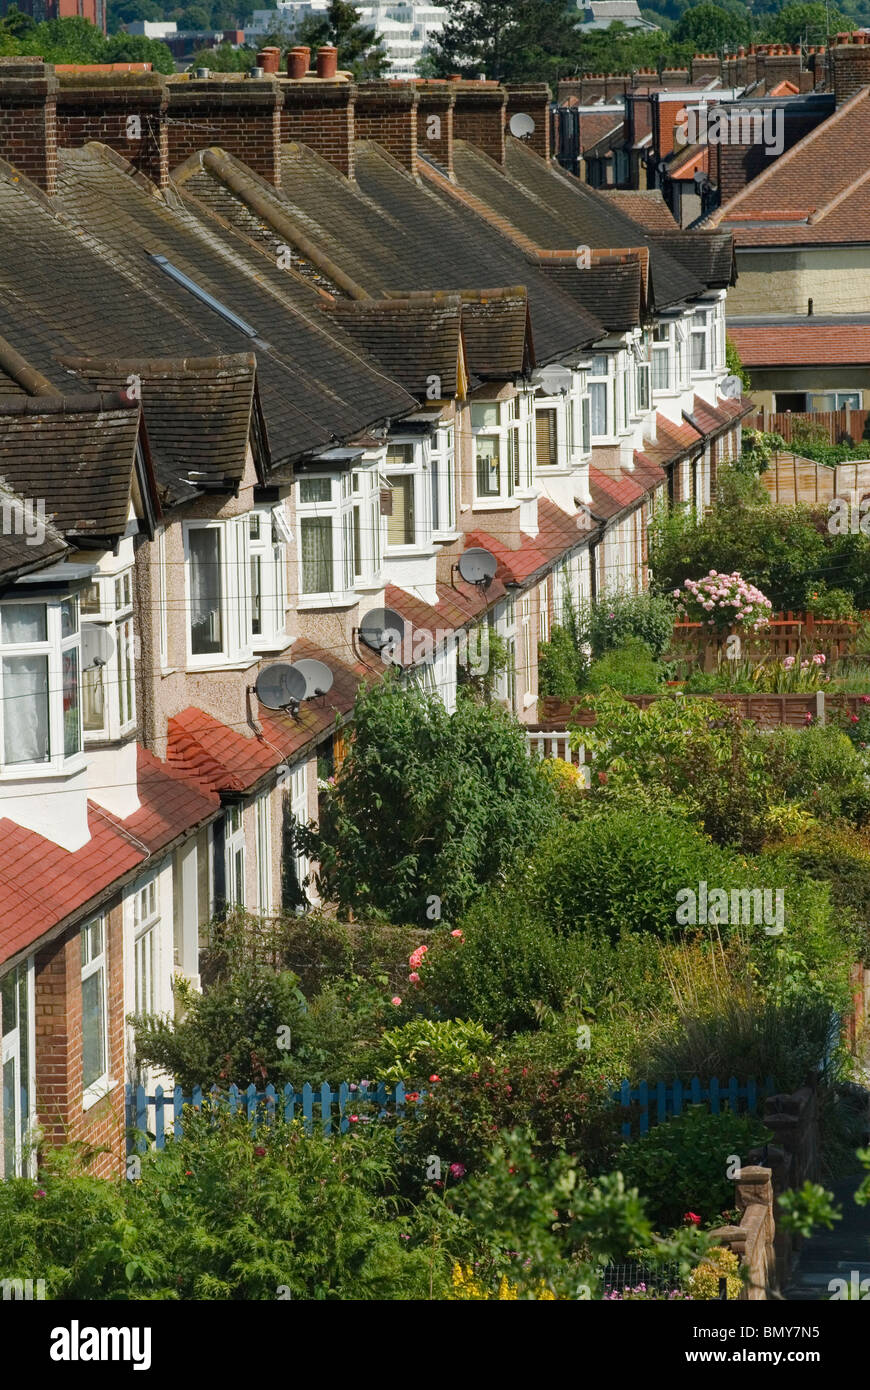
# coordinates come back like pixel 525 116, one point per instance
pixel 327 62
pixel 269 59
pixel 298 61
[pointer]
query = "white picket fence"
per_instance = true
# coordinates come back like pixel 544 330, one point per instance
pixel 556 743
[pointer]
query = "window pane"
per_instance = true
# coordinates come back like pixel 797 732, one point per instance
pixel 93 1029
pixel 256 594
pixel 254 526
pixel 660 369
pixel 436 500
pixel 315 535
pixel 9 1002
pixel 400 455
pixel 699 352
pixel 9 1126
pixel 600 365
pixel 400 526
pixel 206 591
pixel 21 623
pixel 69 618
pixel 90 598
pixel 484 417
pixel 25 709
pixel 488 466
pixel 93 699
pixel 587 425
pixel 357 543
pixel 598 401
pixel 545 437
pixel 315 490
pixel 126 684
pixel 72 739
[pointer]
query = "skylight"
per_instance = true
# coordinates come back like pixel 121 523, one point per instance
pixel 203 296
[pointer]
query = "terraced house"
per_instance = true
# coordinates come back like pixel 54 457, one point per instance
pixel 276 353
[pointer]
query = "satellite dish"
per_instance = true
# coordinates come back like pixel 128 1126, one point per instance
pixel 382 628
pixel 280 685
pixel 731 388
pixel 554 379
pixel 477 566
pixel 98 644
pixel 316 676
pixel 521 125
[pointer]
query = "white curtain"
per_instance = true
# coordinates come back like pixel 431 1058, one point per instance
pixel 25 709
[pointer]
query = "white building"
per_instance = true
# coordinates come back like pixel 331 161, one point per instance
pixel 406 27
pixel 157 29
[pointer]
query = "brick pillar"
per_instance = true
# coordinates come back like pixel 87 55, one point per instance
pixel 435 104
pixel 387 112
pixel 320 114
pixel 124 110
pixel 782 65
pixel 240 115
pixel 28 119
pixel 675 77
pixel 850 63
pixel 479 117
pixel 58 1026
pixel 531 99
pixel 704 67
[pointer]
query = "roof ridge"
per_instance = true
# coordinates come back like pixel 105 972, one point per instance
pixel 839 197
pixel 791 155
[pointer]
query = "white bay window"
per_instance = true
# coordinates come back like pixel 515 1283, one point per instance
pixel 40 685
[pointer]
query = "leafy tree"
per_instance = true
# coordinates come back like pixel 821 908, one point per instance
pixel 709 27
pixel 513 40
pixel 224 58
pixel 805 19
pixel 17 24
pixel 360 49
pixel 427 807
pixel 135 48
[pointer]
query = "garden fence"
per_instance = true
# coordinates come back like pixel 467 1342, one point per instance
pixel 162 1114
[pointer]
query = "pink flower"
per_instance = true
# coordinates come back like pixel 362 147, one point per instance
pixel 693 1217
pixel 819 659
pixel 40 1192
pixel 457 1170
pixel 395 1001
pixel 353 1119
pixel 434 1078
pixel 788 662
pixel 414 978
pixel 415 960
pixel 458 934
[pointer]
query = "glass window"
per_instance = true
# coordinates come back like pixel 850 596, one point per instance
pixel 72 740
pixel 545 437
pixel 315 489
pixel 488 459
pixel 315 535
pixel 401 526
pixel 485 416
pixel 94 1023
pixel 598 407
pixel 206 590
pixel 22 624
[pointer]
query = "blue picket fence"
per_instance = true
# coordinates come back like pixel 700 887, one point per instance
pixel 334 1106
pixel 659 1100
pixel 163 1112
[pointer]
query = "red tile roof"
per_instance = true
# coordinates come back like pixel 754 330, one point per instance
pixel 802 345
pixel 42 884
pixel 817 192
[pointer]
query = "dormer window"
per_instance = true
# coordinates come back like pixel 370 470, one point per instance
pixel 601 397
pixel 236 586
pixel 109 690
pixel 502 432
pixel 40 664
pixel 661 357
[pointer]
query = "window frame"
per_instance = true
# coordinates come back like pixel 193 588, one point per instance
pixel 53 648
pixel 92 964
pixel 263 824
pixel 117 678
pixel 598 381
pixel 234 845
pixel 17 1048
pixel 512 435
pixel 442 464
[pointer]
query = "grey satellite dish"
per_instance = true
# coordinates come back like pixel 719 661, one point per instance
pixel 279 686
pixel 731 388
pixel 554 379
pixel 521 125
pixel 477 566
pixel 98 644
pixel 382 628
pixel 316 674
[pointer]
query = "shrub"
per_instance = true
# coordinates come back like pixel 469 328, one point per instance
pixel 820 769
pixel 561 665
pixel 618 617
pixel 723 601
pixel 840 857
pixel 424 1047
pixel 718 1263
pixel 680 1166
pixel 630 668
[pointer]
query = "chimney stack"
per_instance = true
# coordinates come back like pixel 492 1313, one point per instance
pixel 479 117
pixel 320 114
pixel 435 104
pixel 28 119
pixel 387 112
pixel 241 115
pixel 531 99
pixel 124 110
pixel 850 65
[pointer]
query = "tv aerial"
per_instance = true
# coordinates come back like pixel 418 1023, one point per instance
pixel 477 566
pixel 382 630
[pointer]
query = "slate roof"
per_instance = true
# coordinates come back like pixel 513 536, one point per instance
pixel 24 545
pixel 199 410
pixel 78 454
pixel 387 233
pixel 645 206
pixel 43 885
pixel 577 214
pixel 614 293
pixel 801 345
pixel 412 339
pixel 817 193
pixel 85 286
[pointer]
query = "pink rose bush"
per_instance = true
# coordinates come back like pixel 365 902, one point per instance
pixel 723 600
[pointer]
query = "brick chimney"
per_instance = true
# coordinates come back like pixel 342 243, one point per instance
pixel 479 117
pixel 531 99
pixel 320 114
pixel 124 110
pixel 849 66
pixel 387 112
pixel 616 85
pixel 675 77
pixel 241 115
pixel 435 106
pixel 704 67
pixel 28 119
pixel 782 65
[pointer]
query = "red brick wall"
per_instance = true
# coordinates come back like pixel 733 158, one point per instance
pixel 532 99
pixel 242 117
pixel 95 110
pixel 387 112
pixel 851 69
pixel 58 1013
pixel 28 119
pixel 321 115
pixel 435 137
pixel 479 117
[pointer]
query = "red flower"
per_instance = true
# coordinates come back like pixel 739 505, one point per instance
pixel 260 1151
pixel 434 1078
pixel 693 1217
pixel 602 777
